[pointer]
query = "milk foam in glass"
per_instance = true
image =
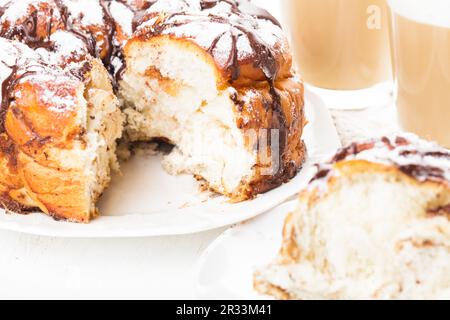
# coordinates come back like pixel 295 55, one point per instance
pixel 421 41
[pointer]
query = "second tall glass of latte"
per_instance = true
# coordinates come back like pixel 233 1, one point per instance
pixel 342 46
pixel 421 39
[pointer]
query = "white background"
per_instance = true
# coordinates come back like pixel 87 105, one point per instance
pixel 153 268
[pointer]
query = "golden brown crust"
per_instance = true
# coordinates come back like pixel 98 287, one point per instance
pixel 257 111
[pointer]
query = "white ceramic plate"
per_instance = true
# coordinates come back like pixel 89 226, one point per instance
pixel 225 270
pixel 146 201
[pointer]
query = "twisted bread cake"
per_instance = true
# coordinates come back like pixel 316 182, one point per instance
pixel 373 224
pixel 213 78
pixel 57 132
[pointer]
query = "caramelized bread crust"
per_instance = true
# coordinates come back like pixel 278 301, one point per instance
pixel 288 117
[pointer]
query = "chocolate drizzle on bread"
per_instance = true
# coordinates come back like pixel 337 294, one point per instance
pixel 240 16
pixel 416 158
pixel 234 24
pixel 87 39
pixel 36 29
pixel 440 211
pixel 243 6
pixel 238 20
pixel 27 66
pixel 7 89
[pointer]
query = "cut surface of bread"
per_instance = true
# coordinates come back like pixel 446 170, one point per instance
pixel 182 98
pixel 175 96
pixel 373 224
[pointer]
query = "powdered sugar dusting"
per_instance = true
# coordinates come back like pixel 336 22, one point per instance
pixel 421 159
pixel 221 26
pixel 17 9
pixel 230 30
pixel 66 44
pixel 89 12
pixel 123 16
pixel 417 152
pixel 37 67
pixel 187 6
pixel 58 100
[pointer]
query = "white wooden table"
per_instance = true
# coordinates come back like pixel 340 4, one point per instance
pixel 148 268
pixel 49 268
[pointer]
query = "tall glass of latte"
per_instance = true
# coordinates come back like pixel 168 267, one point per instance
pixel 342 46
pixel 421 39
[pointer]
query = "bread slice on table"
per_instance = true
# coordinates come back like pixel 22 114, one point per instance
pixel 373 224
